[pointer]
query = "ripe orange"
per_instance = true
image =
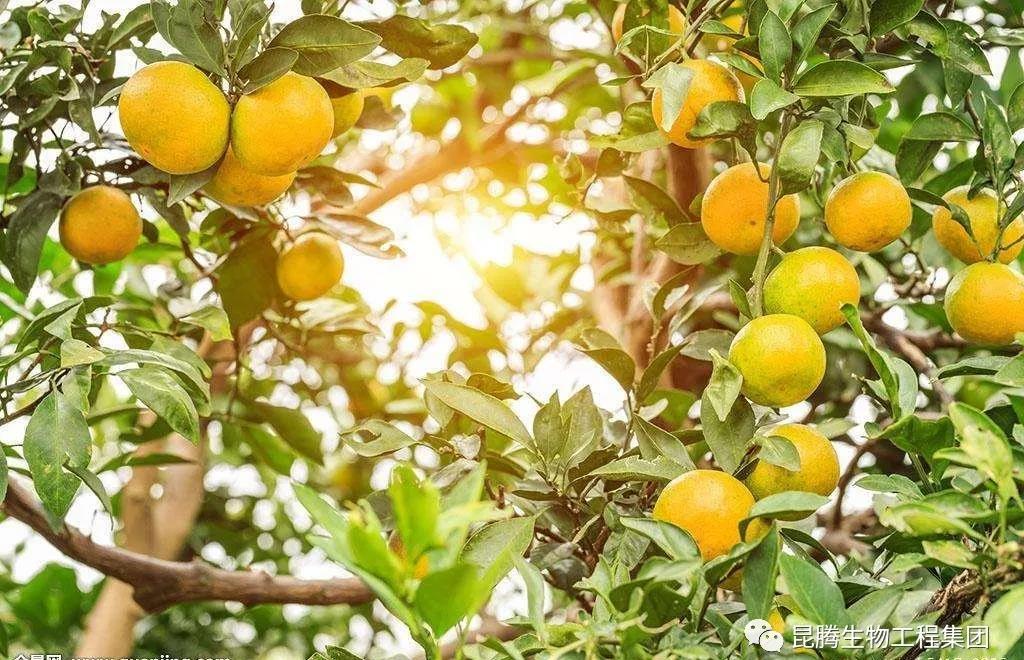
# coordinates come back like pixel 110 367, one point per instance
pixel 819 465
pixel 281 127
pixel 235 185
pixel 310 267
pixel 985 304
pixel 711 82
pixel 983 212
pixel 781 358
pixel 100 225
pixel 676 21
pixel 174 117
pixel 812 283
pixel 709 505
pixel 867 211
pixel 347 109
pixel 734 208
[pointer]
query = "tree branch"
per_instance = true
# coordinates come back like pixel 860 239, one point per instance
pixel 158 584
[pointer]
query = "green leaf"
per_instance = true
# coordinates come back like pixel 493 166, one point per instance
pixel 56 435
pixel 246 281
pixel 728 439
pixel 3 476
pixel 674 541
pixel 94 484
pixel 493 550
pixel 659 200
pixel 441 45
pixel 364 73
pixel 294 428
pixel 986 447
pixel 778 450
pixel 322 513
pixel 550 82
pixel 192 28
pixel 384 438
pixel 1005 626
pixel 616 362
pixel 882 362
pixel 416 505
pixel 1015 108
pixel 673 81
pixel 808 29
pixel 535 596
pixel 724 386
pixel 324 43
pixel 267 67
pixel 775 45
pixel 74 352
pixel 887 15
pixel 941 127
pixel 213 319
pixel 767 97
pixel 26 233
pixel 788 505
pixel 652 373
pixel 164 395
pixel 334 653
pixel 840 78
pixel 799 155
pixel 265 444
pixel 635 468
pixel 482 408
pixel 759 573
pixel 687 244
pixel 446 597
pixel 726 119
pixel 816 594
pixel 656 442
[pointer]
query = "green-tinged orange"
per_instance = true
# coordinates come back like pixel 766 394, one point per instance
pixel 812 283
pixel 781 358
pixel 985 304
pixel 735 206
pixel 867 211
pixel 347 110
pixel 282 126
pixel 100 225
pixel 709 505
pixel 710 83
pixel 235 185
pixel 310 267
pixel 676 21
pixel 174 117
pixel 819 465
pixel 983 212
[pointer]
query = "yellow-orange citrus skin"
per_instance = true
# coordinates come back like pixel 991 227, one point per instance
pixel 676 21
pixel 819 465
pixel 100 225
pixel 983 212
pixel 812 283
pixel 281 127
pixel 235 185
pixel 711 82
pixel 867 211
pixel 709 505
pixel 310 267
pixel 347 109
pixel 385 94
pixel 985 304
pixel 734 207
pixel 781 358
pixel 174 117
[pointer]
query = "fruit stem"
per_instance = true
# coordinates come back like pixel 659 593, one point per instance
pixel 761 267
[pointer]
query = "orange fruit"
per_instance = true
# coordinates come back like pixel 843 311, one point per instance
pixel 734 207
pixel 174 117
pixel 310 267
pixel 234 185
pixel 708 504
pixel 985 304
pixel 347 110
pixel 100 225
pixel 867 211
pixel 812 283
pixel 983 212
pixel 676 21
pixel 711 82
pixel 818 471
pixel 282 126
pixel 781 358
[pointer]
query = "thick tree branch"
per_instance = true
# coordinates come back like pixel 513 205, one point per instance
pixel 158 584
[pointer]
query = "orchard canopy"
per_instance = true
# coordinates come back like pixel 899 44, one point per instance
pixel 512 329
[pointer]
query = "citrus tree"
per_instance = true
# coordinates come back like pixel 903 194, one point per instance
pixel 746 379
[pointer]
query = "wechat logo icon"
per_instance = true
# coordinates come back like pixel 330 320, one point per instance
pixel 759 633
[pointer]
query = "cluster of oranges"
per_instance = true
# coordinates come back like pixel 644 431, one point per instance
pixel 781 355
pixel 182 123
